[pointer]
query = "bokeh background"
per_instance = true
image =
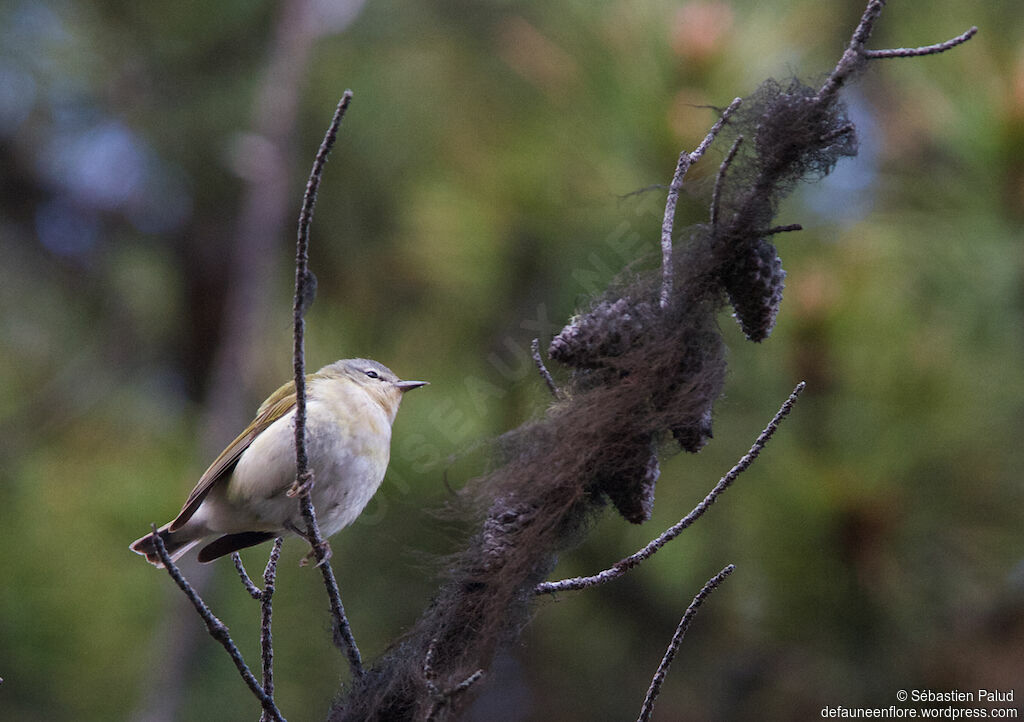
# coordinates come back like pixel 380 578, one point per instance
pixel 152 161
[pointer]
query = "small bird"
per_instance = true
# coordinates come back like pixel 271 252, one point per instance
pixel 243 498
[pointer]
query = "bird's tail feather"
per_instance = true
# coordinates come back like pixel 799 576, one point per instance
pixel 175 543
pixel 232 543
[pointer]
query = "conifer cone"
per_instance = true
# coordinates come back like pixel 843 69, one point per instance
pixel 633 494
pixel 688 400
pixel 693 437
pixel 754 284
pixel 610 329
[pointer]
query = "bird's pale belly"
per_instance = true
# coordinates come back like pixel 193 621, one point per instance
pixel 347 471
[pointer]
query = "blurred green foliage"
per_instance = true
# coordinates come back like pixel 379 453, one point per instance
pixel 476 196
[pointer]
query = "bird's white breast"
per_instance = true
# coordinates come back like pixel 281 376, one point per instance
pixel 348 441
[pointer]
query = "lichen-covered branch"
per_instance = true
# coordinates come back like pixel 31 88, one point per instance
pixel 684 624
pixel 682 166
pixel 638 557
pixel 442 695
pixel 543 370
pixel 218 630
pixel 646 363
pixel 923 50
pixel 266 616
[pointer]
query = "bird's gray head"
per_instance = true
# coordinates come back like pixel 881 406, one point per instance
pixel 377 379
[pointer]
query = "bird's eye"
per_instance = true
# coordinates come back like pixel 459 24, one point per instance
pixel 372 374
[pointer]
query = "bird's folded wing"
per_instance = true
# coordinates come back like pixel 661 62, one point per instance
pixel 280 403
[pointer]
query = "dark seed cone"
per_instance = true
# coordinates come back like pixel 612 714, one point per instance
pixel 754 284
pixel 609 329
pixel 688 400
pixel 633 493
pixel 693 437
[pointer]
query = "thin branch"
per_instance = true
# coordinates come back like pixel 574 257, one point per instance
pixel 856 53
pixel 641 191
pixel 677 638
pixel 250 587
pixel 304 478
pixel 624 565
pixel 265 597
pixel 853 56
pixel 266 615
pixel 543 370
pixel 683 165
pixel 923 50
pixel 720 178
pixel 216 628
pixel 441 697
pixel 303 474
pixel 780 229
pixel 837 133
pixel 701 149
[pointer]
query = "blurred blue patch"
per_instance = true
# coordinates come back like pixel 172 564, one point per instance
pixel 108 167
pixel 17 96
pixel 65 229
pixel 847 194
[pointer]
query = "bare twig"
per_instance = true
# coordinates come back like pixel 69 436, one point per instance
pixel 217 629
pixel 722 170
pixel 701 149
pixel 543 370
pixel 266 615
pixel 677 638
pixel 923 50
pixel 303 474
pixel 856 53
pixel 624 565
pixel 683 165
pixel 265 597
pixel 304 478
pixel 838 133
pixel 440 696
pixel 853 56
pixel 250 587
pixel 781 229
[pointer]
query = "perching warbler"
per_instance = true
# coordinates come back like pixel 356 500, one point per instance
pixel 243 500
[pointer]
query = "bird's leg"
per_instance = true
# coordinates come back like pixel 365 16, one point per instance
pixel 311 555
pixel 324 546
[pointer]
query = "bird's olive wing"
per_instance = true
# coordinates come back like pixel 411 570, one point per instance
pixel 280 403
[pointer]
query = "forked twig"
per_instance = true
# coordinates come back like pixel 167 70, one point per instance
pixel 682 166
pixel 691 611
pixel 303 474
pixel 624 565
pixel 856 53
pixel 254 591
pixel 217 629
pixel 440 696
pixel 853 56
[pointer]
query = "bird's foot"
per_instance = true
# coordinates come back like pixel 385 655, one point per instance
pixel 325 554
pixel 301 485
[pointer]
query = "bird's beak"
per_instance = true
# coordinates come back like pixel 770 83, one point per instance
pixel 404 386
